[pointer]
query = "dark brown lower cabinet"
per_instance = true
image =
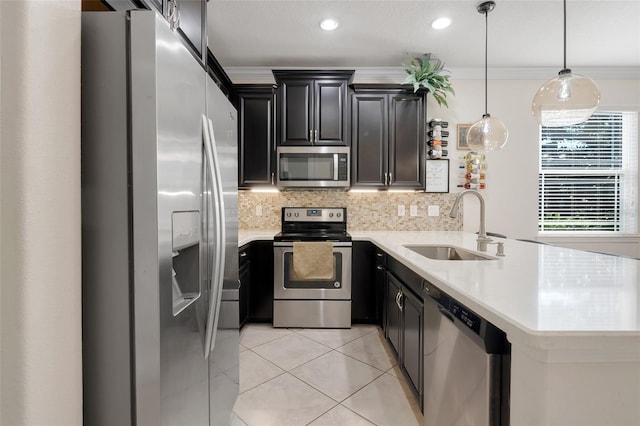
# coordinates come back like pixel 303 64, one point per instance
pixel 261 304
pixel 244 276
pixel 412 335
pixel 364 300
pixel 403 326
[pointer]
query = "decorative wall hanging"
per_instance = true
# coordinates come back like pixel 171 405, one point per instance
pixel 473 171
pixel 436 139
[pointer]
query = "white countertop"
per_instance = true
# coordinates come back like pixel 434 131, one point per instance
pixel 559 304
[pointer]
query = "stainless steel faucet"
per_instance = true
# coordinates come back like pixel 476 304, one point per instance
pixel 482 240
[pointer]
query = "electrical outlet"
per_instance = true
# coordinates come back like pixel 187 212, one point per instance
pixel 413 211
pixel 258 210
pixel 400 210
pixel 433 210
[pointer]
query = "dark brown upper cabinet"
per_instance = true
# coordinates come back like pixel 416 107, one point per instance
pixel 387 137
pixel 312 107
pixel 256 150
pixel 188 17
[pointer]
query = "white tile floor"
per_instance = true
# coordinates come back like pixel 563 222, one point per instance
pixel 321 377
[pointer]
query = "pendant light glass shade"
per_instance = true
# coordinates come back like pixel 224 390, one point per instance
pixel 565 100
pixel 488 133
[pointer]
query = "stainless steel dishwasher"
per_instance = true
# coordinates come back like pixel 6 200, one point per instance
pixel 466 365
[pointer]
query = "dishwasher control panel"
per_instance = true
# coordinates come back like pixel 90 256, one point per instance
pixel 465 315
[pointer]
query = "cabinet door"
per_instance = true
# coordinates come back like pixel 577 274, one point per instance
pixel 255 138
pixel 245 285
pixel 369 139
pixel 406 141
pixel 329 112
pixel 193 27
pixel 393 324
pixel 295 121
pixel 412 350
pixel 380 284
pixel 363 294
pixel 261 291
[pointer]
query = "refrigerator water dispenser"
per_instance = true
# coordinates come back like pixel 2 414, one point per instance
pixel 185 267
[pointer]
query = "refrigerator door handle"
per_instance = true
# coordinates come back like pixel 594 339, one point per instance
pixel 217 284
pixel 222 237
pixel 214 271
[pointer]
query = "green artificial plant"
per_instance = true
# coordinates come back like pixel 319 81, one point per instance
pixel 428 73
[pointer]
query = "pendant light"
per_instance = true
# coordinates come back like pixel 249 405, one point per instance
pixel 488 133
pixel 567 99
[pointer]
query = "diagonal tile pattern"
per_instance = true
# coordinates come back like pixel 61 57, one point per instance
pixel 321 377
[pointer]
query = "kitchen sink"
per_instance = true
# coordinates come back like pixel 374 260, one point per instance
pixel 439 252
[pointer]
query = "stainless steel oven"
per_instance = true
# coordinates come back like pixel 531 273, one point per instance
pixel 316 302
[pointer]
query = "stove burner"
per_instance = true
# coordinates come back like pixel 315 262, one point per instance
pixel 314 224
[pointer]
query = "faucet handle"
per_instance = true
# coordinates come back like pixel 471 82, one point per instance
pixel 499 249
pixel 483 241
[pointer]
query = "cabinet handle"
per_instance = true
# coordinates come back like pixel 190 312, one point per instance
pixel 399 296
pixel 311 136
pixel 273 180
pixel 385 179
pixel 390 178
pixel 174 14
pixel 379 268
pixel 315 133
pixel 243 254
pixel 379 254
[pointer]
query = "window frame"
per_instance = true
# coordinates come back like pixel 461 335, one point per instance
pixel 624 175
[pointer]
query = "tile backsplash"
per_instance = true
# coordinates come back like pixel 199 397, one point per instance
pixel 370 211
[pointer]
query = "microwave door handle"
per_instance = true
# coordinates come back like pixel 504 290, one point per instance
pixel 335 166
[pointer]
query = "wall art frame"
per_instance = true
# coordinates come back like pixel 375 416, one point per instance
pixel 461 137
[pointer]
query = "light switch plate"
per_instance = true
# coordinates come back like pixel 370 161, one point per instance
pixel 413 211
pixel 433 210
pixel 400 210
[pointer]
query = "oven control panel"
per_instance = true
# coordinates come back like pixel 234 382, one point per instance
pixel 308 214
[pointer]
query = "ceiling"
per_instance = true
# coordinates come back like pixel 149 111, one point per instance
pixel 384 33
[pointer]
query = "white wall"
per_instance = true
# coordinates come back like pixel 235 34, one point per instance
pixel 40 282
pixel 512 174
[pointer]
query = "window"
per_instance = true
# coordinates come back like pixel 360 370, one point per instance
pixel 589 175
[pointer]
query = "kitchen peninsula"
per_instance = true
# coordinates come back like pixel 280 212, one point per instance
pixel 572 318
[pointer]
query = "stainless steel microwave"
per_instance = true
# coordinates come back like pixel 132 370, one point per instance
pixel 313 167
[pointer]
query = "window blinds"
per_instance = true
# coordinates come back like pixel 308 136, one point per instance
pixel 588 175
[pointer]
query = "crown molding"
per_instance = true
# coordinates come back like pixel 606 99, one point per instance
pixel 395 75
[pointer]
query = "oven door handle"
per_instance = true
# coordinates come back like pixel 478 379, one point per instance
pixel 290 244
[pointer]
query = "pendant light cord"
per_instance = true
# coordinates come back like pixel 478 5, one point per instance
pixel 486 48
pixel 565 34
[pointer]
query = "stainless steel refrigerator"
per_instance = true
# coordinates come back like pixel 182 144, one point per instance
pixel 159 208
